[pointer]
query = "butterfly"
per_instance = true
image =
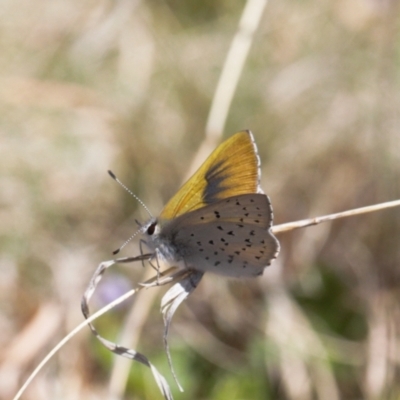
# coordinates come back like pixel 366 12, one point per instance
pixel 220 220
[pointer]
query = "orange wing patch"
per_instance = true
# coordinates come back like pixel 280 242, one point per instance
pixel 232 169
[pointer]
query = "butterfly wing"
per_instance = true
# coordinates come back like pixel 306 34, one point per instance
pixel 231 170
pixel 231 237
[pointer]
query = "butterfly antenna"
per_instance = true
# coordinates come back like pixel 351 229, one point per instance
pixel 140 201
pixel 130 192
pixel 126 242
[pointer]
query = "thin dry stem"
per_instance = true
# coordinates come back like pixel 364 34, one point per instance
pixel 233 67
pixel 317 220
pixel 149 283
pixel 229 79
pixel 68 337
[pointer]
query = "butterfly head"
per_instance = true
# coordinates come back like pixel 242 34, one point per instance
pixel 151 228
pixel 151 231
pixel 159 239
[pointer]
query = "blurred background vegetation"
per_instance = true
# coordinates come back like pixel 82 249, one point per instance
pixel 127 85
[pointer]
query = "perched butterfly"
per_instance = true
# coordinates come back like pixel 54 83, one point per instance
pixel 219 220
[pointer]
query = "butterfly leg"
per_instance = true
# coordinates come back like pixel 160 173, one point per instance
pixel 141 243
pixel 157 267
pixel 170 275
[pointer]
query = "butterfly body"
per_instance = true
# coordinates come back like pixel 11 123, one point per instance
pixel 220 220
pixel 230 237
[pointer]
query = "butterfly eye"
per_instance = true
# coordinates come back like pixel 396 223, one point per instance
pixel 151 228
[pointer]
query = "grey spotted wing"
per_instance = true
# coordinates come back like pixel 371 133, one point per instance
pixel 231 237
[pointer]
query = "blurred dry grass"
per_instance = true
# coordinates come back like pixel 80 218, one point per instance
pixel 127 85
